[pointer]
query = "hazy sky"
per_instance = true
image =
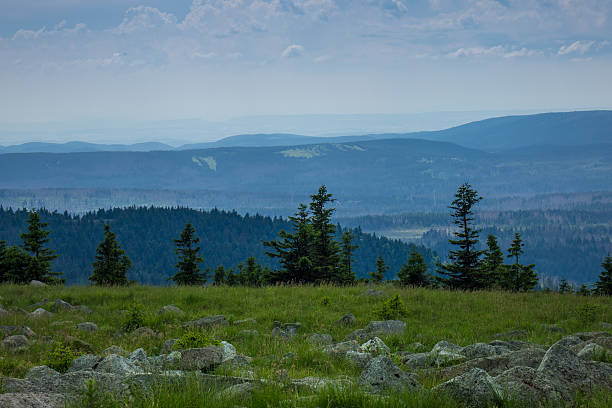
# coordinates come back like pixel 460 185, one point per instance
pixel 215 59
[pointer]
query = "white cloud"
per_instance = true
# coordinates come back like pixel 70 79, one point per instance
pixel 579 47
pixel 495 51
pixel 322 58
pixel 291 51
pixel 143 18
pixel 22 34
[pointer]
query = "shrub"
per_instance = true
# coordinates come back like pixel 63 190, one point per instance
pixel 392 308
pixel 134 318
pixel 61 357
pixel 195 339
pixel 325 301
pixel 587 314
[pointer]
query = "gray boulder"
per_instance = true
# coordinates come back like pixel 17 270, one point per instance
pixel 170 309
pixel 25 330
pixel 248 320
pixel 496 365
pixel 339 349
pixel 481 350
pixel 321 339
pixel 87 326
pixel 381 374
pixel 85 362
pixel 41 313
pixel 228 351
pixel 590 351
pixel 418 360
pixel 84 309
pixel 60 305
pixel 40 372
pixel 145 332
pixel 114 364
pixel 16 342
pixel 32 400
pixel 518 384
pixel 204 359
pixel 164 362
pixel 113 350
pixel 207 322
pixel 35 282
pixel 138 357
pixel 375 347
pixel 447 347
pixel 385 328
pixel 237 391
pixel 168 346
pixel 347 320
pixel 475 388
pixel 358 358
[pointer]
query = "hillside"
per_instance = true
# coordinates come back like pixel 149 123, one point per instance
pixel 147 236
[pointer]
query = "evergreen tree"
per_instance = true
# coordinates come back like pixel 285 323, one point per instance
pixel 187 252
pixel 111 263
pixel 564 287
pixel 219 277
pixel 294 250
pixel 381 269
pixel 583 290
pixel 231 278
pixel 325 251
pixel 14 264
pixel 414 271
pixel 462 271
pixel 251 273
pixel 604 285
pixel 34 241
pixel 347 275
pixel 523 277
pixel 493 272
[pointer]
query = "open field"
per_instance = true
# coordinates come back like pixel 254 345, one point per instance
pixel 432 315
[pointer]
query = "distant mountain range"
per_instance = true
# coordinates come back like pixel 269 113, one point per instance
pixel 492 135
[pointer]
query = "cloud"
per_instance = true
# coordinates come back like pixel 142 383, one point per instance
pixel 293 51
pixel 579 47
pixel 322 58
pixel 496 51
pixel 143 18
pixel 22 34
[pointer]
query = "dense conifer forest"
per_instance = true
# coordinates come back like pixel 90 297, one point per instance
pixel 147 235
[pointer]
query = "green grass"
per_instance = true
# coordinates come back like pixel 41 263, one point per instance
pixel 432 315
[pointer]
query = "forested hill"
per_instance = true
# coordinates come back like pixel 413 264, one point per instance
pixel 147 234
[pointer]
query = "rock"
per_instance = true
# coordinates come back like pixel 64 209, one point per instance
pixel 381 375
pixel 481 350
pixel 359 335
pixel 41 313
pixel 207 322
pixel 475 388
pixel 445 358
pixel 39 304
pixel 517 384
pixel 248 320
pixel 40 372
pixel 318 383
pixel 360 359
pixel 513 334
pixel 16 342
pixel 605 325
pixel 138 357
pixel 168 346
pixel 113 350
pixel 590 351
pixel 385 328
pixel 170 309
pixel 85 362
pixel 375 347
pixel 561 373
pixel 118 365
pixel 496 365
pixel 32 400
pixel 60 305
pixel 145 332
pixel 164 362
pixel 238 391
pixel 447 347
pixel 418 360
pixel 339 349
pixel 83 309
pixel 238 361
pixel 37 283
pixel 514 345
pixel 25 330
pixel 203 359
pixel 61 323
pixel 320 339
pixel 78 344
pixel 416 347
pixel 228 351
pixel 570 341
pixel 553 328
pixel 373 293
pixel 286 330
pixel 87 326
pixel 586 336
pixel 19 310
pixel 347 320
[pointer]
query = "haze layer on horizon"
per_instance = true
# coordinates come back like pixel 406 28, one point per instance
pixel 150 60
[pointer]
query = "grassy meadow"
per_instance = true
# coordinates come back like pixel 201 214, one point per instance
pixel 432 315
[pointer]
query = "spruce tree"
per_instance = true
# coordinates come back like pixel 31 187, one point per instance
pixel 604 285
pixel 583 290
pixel 564 287
pixel 493 272
pixel 347 275
pixel 251 273
pixel 325 250
pixel 462 270
pixel 14 264
pixel 381 269
pixel 523 277
pixel 294 250
pixel 111 263
pixel 414 271
pixel 34 241
pixel 219 276
pixel 188 256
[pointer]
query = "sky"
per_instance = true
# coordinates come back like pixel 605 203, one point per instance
pixel 70 60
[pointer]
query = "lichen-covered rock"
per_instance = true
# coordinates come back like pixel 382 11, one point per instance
pixel 480 350
pixel 113 350
pixel 170 309
pixel 447 347
pixel 41 313
pixel 117 365
pixel 145 332
pixel 138 357
pixel 168 346
pixel 360 359
pixel 248 320
pixel 518 384
pixel 320 339
pixel 375 347
pixel 418 360
pixel 35 282
pixel 385 328
pixel 32 400
pixel 347 320
pixel 85 362
pixel 590 351
pixel 87 326
pixel 228 350
pixel 339 349
pixel 204 359
pixel 475 388
pixel 208 321
pixel 25 330
pixel 40 372
pixel 60 305
pixel 237 391
pixel 381 374
pixel 496 365
pixel 16 342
